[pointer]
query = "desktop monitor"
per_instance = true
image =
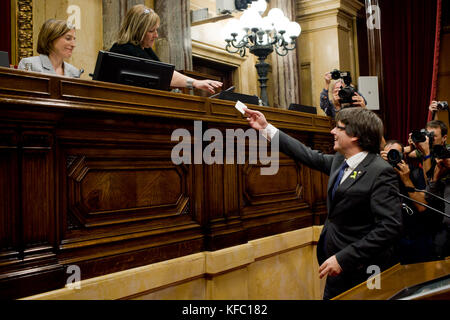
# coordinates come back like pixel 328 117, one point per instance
pixel 302 108
pixel 4 59
pixel 233 96
pixel 133 71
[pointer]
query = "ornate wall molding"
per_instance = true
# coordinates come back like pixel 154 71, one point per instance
pixel 24 29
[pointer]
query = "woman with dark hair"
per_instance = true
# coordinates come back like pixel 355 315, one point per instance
pixel 137 35
pixel 56 42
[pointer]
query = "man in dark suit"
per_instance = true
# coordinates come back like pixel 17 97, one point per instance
pixel 364 212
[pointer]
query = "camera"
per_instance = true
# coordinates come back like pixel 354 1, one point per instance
pixel 442 105
pixel 346 93
pixel 441 152
pixel 344 75
pixel 394 157
pixel 420 136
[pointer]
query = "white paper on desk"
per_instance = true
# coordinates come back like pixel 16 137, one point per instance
pixel 240 107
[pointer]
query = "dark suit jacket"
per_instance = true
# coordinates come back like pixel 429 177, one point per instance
pixel 364 218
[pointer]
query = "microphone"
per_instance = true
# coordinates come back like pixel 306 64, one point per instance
pixel 422 204
pixel 230 89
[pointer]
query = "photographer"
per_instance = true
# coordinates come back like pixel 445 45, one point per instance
pixel 436 106
pixel 440 185
pixel 330 108
pixel 420 225
pixel 421 144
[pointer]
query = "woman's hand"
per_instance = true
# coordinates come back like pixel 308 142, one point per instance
pixel 207 85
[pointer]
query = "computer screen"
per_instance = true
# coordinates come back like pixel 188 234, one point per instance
pixel 302 108
pixel 4 59
pixel 233 96
pixel 133 71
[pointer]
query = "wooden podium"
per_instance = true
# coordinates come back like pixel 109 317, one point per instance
pixel 418 281
pixel 87 179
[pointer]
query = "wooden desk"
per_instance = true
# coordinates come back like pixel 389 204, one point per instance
pixel 86 179
pixel 398 278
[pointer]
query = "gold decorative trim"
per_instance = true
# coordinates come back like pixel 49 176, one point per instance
pixel 24 29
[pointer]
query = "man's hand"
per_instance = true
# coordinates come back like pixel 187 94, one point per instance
pixel 433 106
pixel 424 147
pixel 383 154
pixel 330 267
pixel 442 167
pixel 358 101
pixel 403 172
pixel 256 119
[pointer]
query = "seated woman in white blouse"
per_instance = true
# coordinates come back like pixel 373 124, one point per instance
pixel 56 42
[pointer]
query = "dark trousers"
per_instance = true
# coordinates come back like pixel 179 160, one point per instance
pixel 343 282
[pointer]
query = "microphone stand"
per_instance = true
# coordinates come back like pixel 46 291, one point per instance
pixel 432 194
pixel 215 95
pixel 422 204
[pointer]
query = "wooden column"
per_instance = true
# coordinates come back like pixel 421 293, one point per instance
pixel 174 44
pixel 285 71
pixel 373 14
pixel 327 41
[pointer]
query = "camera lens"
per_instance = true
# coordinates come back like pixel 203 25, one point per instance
pixel 394 157
pixel 335 74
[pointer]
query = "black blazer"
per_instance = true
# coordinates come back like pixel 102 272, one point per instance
pixel 364 218
pixel 135 51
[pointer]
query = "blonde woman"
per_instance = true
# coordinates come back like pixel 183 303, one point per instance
pixel 56 42
pixel 136 37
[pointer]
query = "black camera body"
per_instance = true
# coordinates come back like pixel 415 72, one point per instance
pixel 344 75
pixel 442 105
pixel 346 93
pixel 394 157
pixel 441 151
pixel 420 136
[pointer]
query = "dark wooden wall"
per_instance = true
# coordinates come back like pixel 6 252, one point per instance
pixel 86 179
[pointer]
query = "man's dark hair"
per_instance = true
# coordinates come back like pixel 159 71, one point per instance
pixel 363 124
pixel 438 124
pixel 391 142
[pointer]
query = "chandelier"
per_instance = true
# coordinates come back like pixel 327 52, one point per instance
pixel 261 36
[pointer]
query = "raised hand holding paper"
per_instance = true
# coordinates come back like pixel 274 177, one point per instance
pixel 240 107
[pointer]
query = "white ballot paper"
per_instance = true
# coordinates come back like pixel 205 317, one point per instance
pixel 240 106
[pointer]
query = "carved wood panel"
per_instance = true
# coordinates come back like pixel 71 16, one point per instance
pixel 9 205
pixel 110 191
